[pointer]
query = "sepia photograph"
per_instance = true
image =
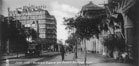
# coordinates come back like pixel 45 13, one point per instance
pixel 69 32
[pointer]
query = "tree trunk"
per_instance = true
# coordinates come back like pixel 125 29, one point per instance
pixel 17 54
pixel 76 51
pixel 85 52
pixel 7 47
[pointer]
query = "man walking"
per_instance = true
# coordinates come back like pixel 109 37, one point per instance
pixel 62 51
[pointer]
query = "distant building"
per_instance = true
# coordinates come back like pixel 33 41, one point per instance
pixel 94 44
pixel 40 20
pixel 91 10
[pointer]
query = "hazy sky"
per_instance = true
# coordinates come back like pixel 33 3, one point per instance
pixel 58 8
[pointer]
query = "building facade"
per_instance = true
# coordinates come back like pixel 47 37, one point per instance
pixel 129 11
pixel 38 19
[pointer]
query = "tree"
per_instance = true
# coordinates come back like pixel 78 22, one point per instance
pixel 31 32
pixel 114 42
pixel 14 34
pixel 17 37
pixel 72 39
pixel 4 34
pixel 86 27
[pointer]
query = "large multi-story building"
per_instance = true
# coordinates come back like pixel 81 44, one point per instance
pixel 38 19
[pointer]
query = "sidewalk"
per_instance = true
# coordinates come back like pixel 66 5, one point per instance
pixel 11 56
pixel 94 59
pixel 14 61
pixel 14 56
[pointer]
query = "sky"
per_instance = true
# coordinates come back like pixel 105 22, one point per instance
pixel 58 8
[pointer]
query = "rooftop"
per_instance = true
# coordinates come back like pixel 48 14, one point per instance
pixel 91 6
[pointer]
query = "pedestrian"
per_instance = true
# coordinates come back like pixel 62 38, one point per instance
pixel 62 51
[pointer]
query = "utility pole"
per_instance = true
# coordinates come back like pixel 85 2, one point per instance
pixel 8 40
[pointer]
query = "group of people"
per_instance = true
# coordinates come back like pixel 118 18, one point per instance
pixel 122 56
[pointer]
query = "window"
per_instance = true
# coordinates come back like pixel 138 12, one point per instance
pixel 42 26
pixel 42 21
pixel 42 35
pixel 42 30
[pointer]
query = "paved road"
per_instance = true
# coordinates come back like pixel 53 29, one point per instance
pixel 54 59
pixel 23 61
